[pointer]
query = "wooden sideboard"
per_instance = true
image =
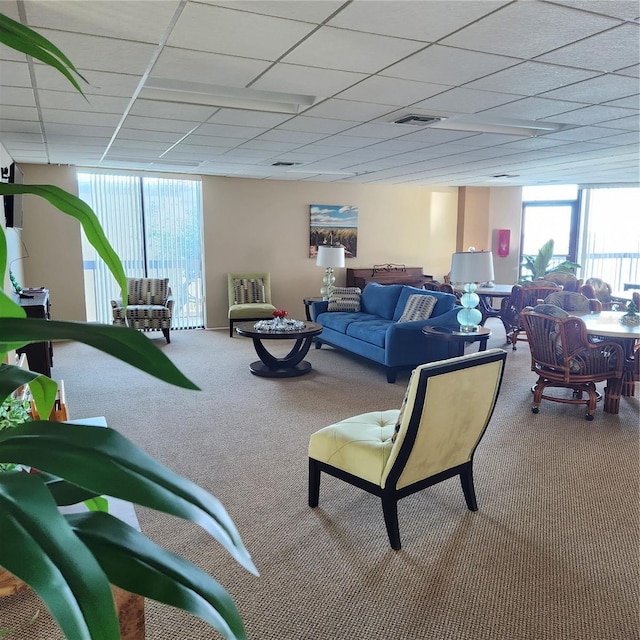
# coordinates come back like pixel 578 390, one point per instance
pixel 39 354
pixel 387 274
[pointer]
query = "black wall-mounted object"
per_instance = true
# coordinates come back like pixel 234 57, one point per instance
pixel 13 212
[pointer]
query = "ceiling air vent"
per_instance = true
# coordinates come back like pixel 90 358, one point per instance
pixel 417 120
pixel 281 163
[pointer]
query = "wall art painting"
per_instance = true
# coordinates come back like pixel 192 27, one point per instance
pixel 334 225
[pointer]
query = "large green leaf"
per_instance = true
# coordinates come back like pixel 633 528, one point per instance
pixel 21 38
pixel 43 389
pixel 129 345
pixel 105 462
pixel 138 565
pixel 64 493
pixel 39 547
pixel 73 206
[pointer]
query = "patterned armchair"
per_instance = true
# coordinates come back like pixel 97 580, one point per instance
pixel 249 297
pixel 149 305
pixel 574 303
pixel 563 356
pixel 525 295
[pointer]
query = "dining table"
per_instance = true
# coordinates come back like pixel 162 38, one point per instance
pixel 607 324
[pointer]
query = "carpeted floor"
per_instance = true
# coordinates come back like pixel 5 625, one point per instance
pixel 552 553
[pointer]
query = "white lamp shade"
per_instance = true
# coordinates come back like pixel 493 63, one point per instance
pixel 471 266
pixel 330 256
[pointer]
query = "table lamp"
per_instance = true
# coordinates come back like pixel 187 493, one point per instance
pixel 329 257
pixel 469 268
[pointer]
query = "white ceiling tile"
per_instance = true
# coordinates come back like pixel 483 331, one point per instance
pixel 631 102
pixel 244 117
pixel 392 91
pixel 533 109
pixel 73 130
pixel 528 29
pixel 59 116
pixel 20 127
pixel 209 68
pixel 299 137
pixel 171 110
pixel 14 74
pixel 9 112
pixel 608 51
pixel 17 96
pixel 531 78
pixel 102 54
pixel 348 110
pixel 623 9
pixel 131 20
pixel 159 124
pixel 229 131
pixel 311 81
pixel 220 30
pixel 318 125
pixel 140 134
pixel 595 90
pixel 630 123
pixel 98 82
pixel 633 71
pixel 463 100
pixel 310 11
pixel 448 65
pixel 75 102
pixel 350 50
pixel 270 145
pixel 423 21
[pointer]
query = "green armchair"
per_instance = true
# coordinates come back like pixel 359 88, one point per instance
pixel 249 297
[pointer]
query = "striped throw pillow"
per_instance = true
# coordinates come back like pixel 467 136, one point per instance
pixel 344 299
pixel 248 290
pixel 418 307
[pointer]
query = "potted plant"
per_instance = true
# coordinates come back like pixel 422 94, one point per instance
pixel 538 265
pixel 71 560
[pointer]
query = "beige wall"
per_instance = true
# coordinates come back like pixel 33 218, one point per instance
pixel 257 225
pixel 53 241
pixel 505 212
pixel 264 225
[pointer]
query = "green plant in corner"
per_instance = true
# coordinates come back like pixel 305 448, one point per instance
pixel 538 265
pixel 70 560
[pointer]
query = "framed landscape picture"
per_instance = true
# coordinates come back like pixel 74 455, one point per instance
pixel 334 225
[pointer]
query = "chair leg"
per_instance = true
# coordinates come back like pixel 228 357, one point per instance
pixel 231 328
pixel 390 511
pixel 165 332
pixel 466 480
pixel 314 483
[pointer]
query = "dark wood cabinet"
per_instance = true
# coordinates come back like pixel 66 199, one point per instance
pixel 39 354
pixel 387 274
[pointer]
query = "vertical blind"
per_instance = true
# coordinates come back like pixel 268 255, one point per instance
pixel 611 236
pixel 155 226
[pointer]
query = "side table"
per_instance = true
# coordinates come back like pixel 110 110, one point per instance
pixel 307 305
pixel 456 339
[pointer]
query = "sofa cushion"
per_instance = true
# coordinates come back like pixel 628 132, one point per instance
pixel 344 299
pixel 418 308
pixel 340 320
pixel 445 301
pixel 372 331
pixel 381 299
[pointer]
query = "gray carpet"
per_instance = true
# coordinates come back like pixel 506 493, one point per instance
pixel 552 553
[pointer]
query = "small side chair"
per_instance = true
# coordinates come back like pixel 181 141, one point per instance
pixel 249 297
pixel 432 437
pixel 149 306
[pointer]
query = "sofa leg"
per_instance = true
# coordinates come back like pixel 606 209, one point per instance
pixel 165 332
pixel 231 328
pixel 392 374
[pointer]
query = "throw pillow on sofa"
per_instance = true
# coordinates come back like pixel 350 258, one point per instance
pixel 418 307
pixel 344 299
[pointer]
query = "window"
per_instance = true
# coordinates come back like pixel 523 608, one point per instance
pixel 155 226
pixel 597 228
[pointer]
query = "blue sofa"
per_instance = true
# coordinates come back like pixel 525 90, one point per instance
pixel 375 333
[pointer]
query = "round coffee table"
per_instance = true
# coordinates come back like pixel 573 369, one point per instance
pixel 456 339
pixel 293 364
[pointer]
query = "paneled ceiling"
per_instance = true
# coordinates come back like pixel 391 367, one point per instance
pixel 515 92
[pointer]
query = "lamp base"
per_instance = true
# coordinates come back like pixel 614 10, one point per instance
pixel 469 328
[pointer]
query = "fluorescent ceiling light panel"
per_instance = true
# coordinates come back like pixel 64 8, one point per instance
pixel 489 124
pixel 166 90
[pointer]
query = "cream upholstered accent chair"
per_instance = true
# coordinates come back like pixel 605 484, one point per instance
pixel 249 297
pixel 432 437
pixel 149 306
